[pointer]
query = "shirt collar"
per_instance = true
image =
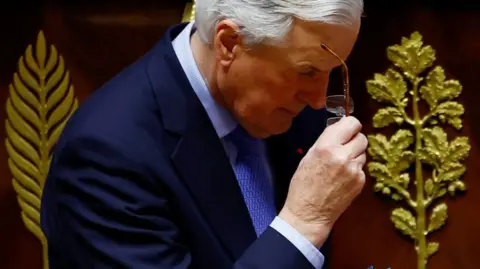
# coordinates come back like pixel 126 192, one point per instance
pixel 222 120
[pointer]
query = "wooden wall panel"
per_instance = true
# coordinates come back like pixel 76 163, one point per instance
pixel 365 235
pixel 99 42
pixel 99 39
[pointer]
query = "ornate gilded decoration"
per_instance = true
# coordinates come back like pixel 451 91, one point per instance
pixel 41 101
pixel 189 12
pixel 424 144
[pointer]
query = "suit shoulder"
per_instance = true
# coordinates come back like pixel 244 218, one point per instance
pixel 123 116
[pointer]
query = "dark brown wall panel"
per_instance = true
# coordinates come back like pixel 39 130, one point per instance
pixel 98 40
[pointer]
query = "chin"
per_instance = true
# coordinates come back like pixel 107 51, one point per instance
pixel 269 128
pixel 280 128
pixel 266 132
pixel 283 130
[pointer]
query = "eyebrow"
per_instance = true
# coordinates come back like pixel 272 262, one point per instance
pixel 322 59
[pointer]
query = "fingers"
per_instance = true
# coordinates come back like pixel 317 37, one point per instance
pixel 343 131
pixel 356 146
pixel 356 170
pixel 361 160
pixel 357 164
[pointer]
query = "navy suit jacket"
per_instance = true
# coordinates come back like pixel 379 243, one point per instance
pixel 139 179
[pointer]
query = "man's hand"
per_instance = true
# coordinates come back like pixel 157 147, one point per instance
pixel 327 180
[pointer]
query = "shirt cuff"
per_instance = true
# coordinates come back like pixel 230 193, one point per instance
pixel 310 252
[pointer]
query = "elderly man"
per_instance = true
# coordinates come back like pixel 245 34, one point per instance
pixel 188 158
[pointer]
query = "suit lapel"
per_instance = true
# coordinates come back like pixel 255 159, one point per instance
pixel 199 156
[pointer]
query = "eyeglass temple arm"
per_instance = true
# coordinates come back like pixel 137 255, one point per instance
pixel 345 76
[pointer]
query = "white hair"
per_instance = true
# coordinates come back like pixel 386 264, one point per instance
pixel 269 21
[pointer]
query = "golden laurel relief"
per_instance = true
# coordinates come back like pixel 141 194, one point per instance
pixel 41 101
pixel 424 143
pixel 189 12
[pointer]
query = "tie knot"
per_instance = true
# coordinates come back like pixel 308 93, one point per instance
pixel 244 142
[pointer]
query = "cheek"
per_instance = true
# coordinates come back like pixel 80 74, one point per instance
pixel 264 82
pixel 261 88
pixel 317 85
pixel 276 91
pixel 313 90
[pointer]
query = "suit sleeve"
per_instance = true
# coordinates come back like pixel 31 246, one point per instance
pixel 273 251
pixel 101 209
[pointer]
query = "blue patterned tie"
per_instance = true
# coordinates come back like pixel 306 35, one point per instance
pixel 252 174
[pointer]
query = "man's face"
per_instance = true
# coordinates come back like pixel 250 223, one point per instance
pixel 266 86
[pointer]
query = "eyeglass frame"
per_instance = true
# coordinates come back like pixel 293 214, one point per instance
pixel 345 78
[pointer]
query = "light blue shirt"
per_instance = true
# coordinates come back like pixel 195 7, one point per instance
pixel 224 124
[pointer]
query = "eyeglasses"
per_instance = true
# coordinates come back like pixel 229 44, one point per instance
pixel 340 105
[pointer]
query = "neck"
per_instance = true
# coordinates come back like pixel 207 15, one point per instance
pixel 203 56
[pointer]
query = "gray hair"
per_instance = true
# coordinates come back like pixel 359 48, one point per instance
pixel 269 21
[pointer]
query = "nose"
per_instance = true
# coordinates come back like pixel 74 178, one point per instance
pixel 317 101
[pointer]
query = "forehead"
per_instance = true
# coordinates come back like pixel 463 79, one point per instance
pixel 305 39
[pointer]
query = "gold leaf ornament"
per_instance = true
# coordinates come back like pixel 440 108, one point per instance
pixel 436 89
pixel 386 116
pixel 424 143
pixel 404 221
pixel 189 12
pixel 391 151
pixel 40 103
pixel 411 56
pixel 432 248
pixel 439 93
pixel 388 88
pixel 438 217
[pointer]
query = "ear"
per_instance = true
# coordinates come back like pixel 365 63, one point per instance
pixel 227 42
